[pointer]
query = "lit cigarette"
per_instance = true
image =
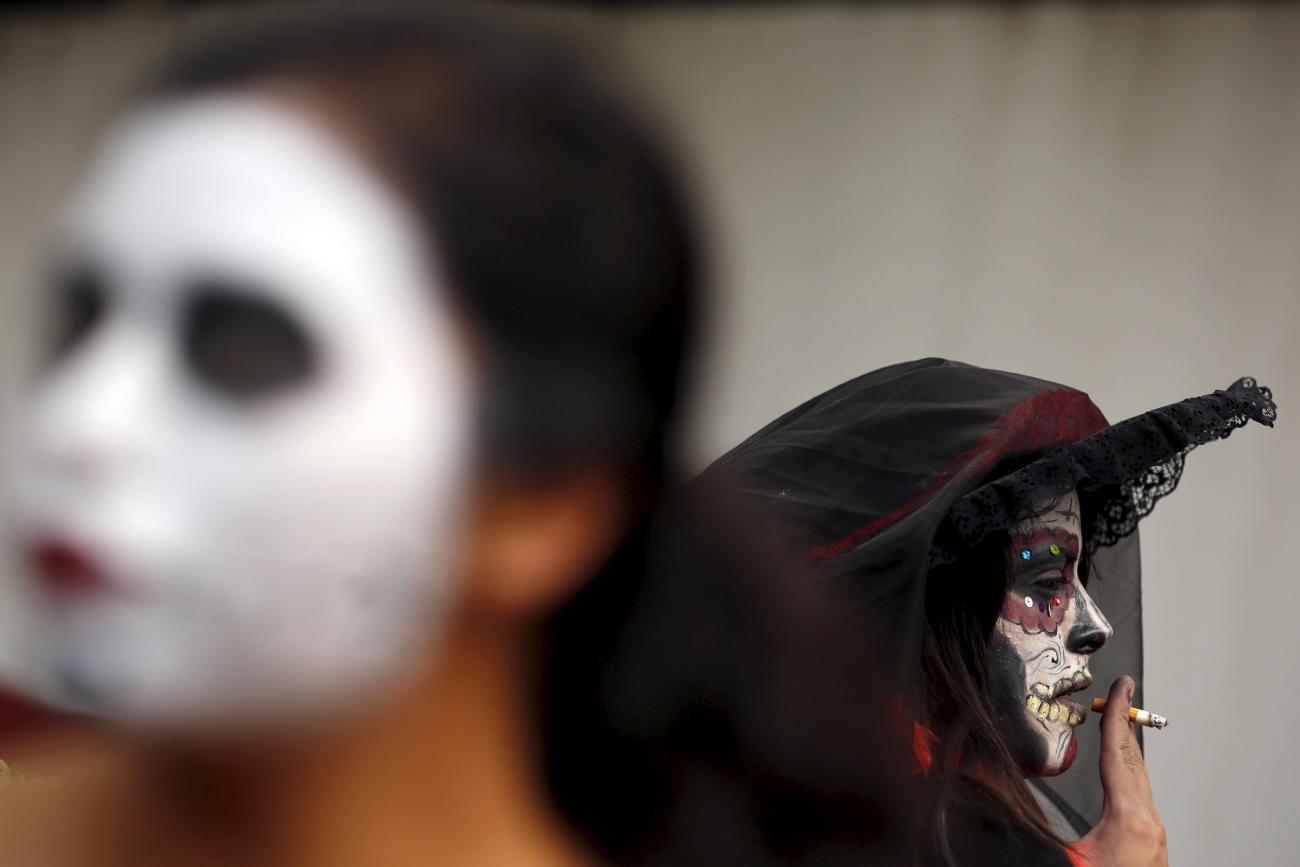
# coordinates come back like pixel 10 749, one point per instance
pixel 1135 714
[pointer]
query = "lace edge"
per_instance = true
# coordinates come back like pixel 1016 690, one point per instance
pixel 1123 489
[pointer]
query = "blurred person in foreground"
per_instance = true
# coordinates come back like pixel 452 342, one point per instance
pixel 990 520
pixel 348 485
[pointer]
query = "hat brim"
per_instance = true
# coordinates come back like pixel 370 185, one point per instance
pixel 1122 471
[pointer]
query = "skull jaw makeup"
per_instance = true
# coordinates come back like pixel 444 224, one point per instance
pixel 270 530
pixel 1039 728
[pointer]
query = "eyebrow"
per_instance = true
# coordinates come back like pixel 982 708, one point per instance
pixel 1066 512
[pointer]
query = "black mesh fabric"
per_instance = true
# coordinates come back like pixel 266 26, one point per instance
pixel 885 476
pixel 1124 470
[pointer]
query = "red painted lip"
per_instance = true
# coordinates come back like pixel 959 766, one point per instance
pixel 65 570
pixel 1070 753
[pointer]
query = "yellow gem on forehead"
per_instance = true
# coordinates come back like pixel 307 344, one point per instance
pixel 1055 549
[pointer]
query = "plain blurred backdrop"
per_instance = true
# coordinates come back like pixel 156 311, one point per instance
pixel 1106 197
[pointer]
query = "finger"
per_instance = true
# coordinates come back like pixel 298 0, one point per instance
pixel 1123 773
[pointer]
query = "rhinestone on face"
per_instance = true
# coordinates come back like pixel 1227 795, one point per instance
pixel 1025 553
pixel 1055 549
pixel 1056 601
pixel 1029 602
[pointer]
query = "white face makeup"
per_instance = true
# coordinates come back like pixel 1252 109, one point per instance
pixel 247 462
pixel 1047 632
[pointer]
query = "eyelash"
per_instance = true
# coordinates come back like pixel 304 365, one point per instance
pixel 1049 585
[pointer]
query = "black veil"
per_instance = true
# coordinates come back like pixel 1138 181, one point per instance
pixel 883 478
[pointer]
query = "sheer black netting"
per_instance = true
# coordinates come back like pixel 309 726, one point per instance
pixel 881 482
pixel 1123 471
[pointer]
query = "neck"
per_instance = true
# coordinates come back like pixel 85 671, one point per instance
pixel 446 776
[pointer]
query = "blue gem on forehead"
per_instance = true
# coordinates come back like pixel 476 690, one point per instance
pixel 1025 553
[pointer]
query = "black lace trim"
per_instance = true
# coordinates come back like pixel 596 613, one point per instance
pixel 1122 471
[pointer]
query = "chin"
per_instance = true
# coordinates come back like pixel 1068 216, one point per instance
pixel 1053 766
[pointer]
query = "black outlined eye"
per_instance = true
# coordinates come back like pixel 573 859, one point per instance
pixel 1048 586
pixel 241 344
pixel 80 302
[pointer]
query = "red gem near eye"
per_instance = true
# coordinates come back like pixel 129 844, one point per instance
pixel 1056 601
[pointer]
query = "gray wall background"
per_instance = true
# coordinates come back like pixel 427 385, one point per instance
pixel 1107 197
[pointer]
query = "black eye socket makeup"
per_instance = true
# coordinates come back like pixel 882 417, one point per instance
pixel 242 345
pixel 82 299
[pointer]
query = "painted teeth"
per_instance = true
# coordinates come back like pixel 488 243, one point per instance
pixel 1052 711
pixel 1043 690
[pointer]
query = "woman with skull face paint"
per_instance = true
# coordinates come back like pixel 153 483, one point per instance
pixel 347 478
pixel 990 520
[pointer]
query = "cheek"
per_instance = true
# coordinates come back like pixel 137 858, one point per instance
pixel 1008 652
pixel 1036 655
pixel 345 471
pixel 306 505
pixel 1008 678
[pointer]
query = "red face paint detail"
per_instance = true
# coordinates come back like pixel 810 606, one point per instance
pixel 65 570
pixel 1049 418
pixel 1070 752
pixel 1033 619
pixel 1038 617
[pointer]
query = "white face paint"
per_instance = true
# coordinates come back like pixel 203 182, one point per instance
pixel 245 468
pixel 1047 632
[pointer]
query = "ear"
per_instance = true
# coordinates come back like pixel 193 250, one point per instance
pixel 531 545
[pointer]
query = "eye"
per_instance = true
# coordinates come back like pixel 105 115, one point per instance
pixel 1048 586
pixel 1051 578
pixel 81 298
pixel 241 344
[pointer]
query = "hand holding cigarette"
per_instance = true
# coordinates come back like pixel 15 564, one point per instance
pixel 1129 833
pixel 1135 715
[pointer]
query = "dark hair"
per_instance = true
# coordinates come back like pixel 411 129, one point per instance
pixel 720 705
pixel 962 604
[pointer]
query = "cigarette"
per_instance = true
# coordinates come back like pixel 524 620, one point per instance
pixel 1135 715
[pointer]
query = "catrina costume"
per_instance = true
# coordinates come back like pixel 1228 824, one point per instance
pixel 886 477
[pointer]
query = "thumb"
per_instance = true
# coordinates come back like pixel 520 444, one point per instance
pixel 1123 772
